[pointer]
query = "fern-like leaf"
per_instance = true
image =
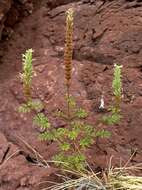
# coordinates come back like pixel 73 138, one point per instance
pixel 42 121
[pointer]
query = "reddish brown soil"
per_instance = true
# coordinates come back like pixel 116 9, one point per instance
pixel 106 32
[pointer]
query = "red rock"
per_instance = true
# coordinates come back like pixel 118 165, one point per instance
pixel 105 33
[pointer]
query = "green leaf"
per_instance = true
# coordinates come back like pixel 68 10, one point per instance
pixel 74 161
pixel 29 106
pixel 103 133
pixel 81 113
pixel 79 157
pixel 42 121
pixel 77 125
pixel 35 105
pixel 112 119
pixel 65 146
pixel 61 132
pixel 61 160
pixel 88 129
pixel 24 108
pixel 77 161
pixel 73 134
pixel 86 142
pixel 46 136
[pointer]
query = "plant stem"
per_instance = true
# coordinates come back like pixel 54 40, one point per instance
pixel 27 92
pixel 68 101
pixel 117 103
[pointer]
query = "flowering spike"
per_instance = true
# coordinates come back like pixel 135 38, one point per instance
pixel 26 76
pixel 68 46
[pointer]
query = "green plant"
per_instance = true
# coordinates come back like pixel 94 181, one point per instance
pixel 72 140
pixel 77 136
pixel 26 77
pixel 27 74
pixel 115 115
pixel 117 86
pixel 30 105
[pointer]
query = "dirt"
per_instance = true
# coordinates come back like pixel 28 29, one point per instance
pixel 105 32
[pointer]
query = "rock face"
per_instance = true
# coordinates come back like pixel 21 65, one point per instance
pixel 105 32
pixel 4 8
pixel 55 3
pixel 10 13
pixel 4 146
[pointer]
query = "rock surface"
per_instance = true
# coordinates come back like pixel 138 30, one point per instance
pixel 10 13
pixel 105 32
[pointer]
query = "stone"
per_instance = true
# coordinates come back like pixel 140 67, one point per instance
pixel 4 145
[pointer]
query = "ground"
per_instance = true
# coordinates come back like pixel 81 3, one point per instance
pixel 105 32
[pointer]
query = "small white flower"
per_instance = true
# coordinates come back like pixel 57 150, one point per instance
pixel 102 103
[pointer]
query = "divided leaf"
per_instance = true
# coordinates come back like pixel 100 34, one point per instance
pixel 72 135
pixel 42 121
pixel 46 136
pixel 81 113
pixel 65 146
pixel 103 133
pixel 112 119
pixel 24 108
pixel 36 105
pixel 86 142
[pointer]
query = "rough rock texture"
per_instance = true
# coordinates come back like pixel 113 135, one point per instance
pixel 106 32
pixel 4 146
pixel 10 13
pixel 4 8
pixel 55 3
